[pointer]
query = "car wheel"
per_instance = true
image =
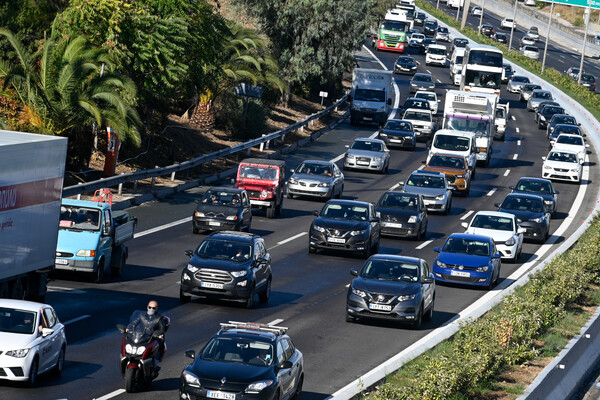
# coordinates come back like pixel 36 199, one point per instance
pixel 298 392
pixel 265 295
pixel 339 195
pixel 195 231
pixel 418 319
pixel 60 362
pixel 278 208
pixel 270 212
pixel 98 276
pixel 419 234
pixel 184 298
pixel 350 318
pixel 249 303
pixel 367 251
pixel 249 224
pixel 375 248
pixel 429 315
pixel 33 372
pixel 414 146
pixel 312 249
pixel 353 122
pixel 497 276
pixel 117 270
pixel 289 195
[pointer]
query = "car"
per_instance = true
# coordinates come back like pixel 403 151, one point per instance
pixel 597 38
pixel 560 119
pixel 455 167
pixel 416 40
pixel 545 112
pixel 508 23
pixel 486 30
pixel 414 102
pixel 534 29
pixel 531 52
pixel 501 38
pixel 405 65
pixel 264 181
pixel 535 35
pixel 529 2
pixel 571 142
pixel 398 133
pixel 420 18
pixel 476 11
pixel 426 43
pixel 345 225
pixel 431 97
pixel 502 228
pixel 501 120
pixel 314 178
pixel 588 81
pixel 369 154
pixel 561 129
pixel 468 259
pixel 222 208
pixel 393 288
pixel 436 54
pixel 538 96
pixel 572 72
pixel 430 27
pixel 541 187
pixel 530 211
pixel 228 265
pixel 508 72
pixel 562 165
pixel 516 83
pixel 527 90
pixel 244 360
pixel 422 122
pixel 442 34
pixel 458 42
pixel 402 214
pixel 33 341
pixel 526 41
pixel 421 81
pixel 433 187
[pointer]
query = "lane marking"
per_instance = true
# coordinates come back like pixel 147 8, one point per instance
pixel 428 71
pixel 160 228
pixel 513 117
pixel 292 238
pixel 276 322
pixel 491 192
pixel 507 172
pixel 517 129
pixel 518 142
pixel 467 215
pixel 422 245
pixel 76 319
pixel 111 394
pixel 64 289
pixel 438 81
pixel 396 186
pixel 338 158
pixel 515 156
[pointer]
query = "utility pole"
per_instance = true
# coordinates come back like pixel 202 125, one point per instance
pixel 512 29
pixel 465 13
pixel 547 36
pixel 481 16
pixel 586 19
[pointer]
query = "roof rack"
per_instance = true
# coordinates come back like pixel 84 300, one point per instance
pixel 254 326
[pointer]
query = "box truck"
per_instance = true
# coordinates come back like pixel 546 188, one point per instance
pixel 371 95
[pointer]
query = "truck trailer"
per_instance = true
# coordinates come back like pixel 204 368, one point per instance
pixel 31 182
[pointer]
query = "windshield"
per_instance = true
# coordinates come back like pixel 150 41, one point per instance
pixel 535 186
pixel 541 95
pixel 396 26
pixel 447 162
pixel 367 145
pixel 436 182
pixel 425 95
pixel 453 143
pixel 417 116
pixel 140 327
pixel 369 95
pixel 520 79
pixel 466 246
pixel 518 203
pixel 398 125
pixel 531 87
pixel 224 250
pixel 402 201
pixel 572 129
pixel 406 60
pixel 238 350
pixel 460 42
pixel 388 270
pixel 563 119
pixel 314 169
pixel 572 140
pixel 484 79
pixel 17 321
pixel 221 198
pixel 435 50
pixel 416 104
pixel 492 222
pixel 500 113
pixel 459 59
pixel 345 212
pixel 531 48
pixel 485 57
pixel 442 29
pixel 423 78
pixel 478 126
pixel 588 78
pixel 254 172
pixel 79 218
pixel 562 157
pixel 552 110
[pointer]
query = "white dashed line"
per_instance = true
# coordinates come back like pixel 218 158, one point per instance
pixel 160 228
pixel 396 186
pixel 491 192
pixel 292 238
pixel 422 245
pixel 515 156
pixel 275 322
pixel 338 158
pixel 438 81
pixel 517 129
pixel 467 215
pixel 518 142
pixel 507 172
pixel 76 319
pixel 111 394
pixel 428 71
pixel 513 117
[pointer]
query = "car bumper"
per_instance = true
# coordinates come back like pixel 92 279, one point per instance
pixel 16 369
pixel 300 190
pixel 402 70
pixel 533 230
pixel 73 264
pixel 213 224
pixel 190 393
pixel 357 307
pixel 237 289
pixel 458 185
pixel 561 175
pixel 382 45
pixel 439 61
pixel 423 134
pixel 507 252
pixel 470 277
pixel 379 117
pixel 368 165
pixel 398 141
pixel 355 243
pixel 435 205
pixel 262 203
pixel 514 89
pixel 400 229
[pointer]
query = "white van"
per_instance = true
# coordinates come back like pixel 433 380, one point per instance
pixel 455 142
pixel 456 64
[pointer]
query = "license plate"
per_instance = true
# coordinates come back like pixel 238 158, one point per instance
pixel 392 225
pixel 395 140
pixel 214 223
pixel 363 163
pixel 380 307
pixel 220 395
pixel 212 285
pixel 368 118
pixel 336 240
pixel 460 273
pixel 61 261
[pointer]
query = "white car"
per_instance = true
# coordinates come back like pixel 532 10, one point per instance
pixel 416 39
pixel 436 54
pixel 422 122
pixel 32 340
pixel 531 52
pixel 562 165
pixel 529 2
pixel 431 97
pixel 535 35
pixel 501 120
pixel 503 228
pixel 508 23
pixel 571 142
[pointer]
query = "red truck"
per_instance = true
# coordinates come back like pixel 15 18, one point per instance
pixel 264 181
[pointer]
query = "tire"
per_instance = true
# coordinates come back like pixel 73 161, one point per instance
pixel 350 318
pixel 418 319
pixel 130 380
pixel 98 276
pixel 278 208
pixel 366 253
pixel 265 295
pixel 289 195
pixel 195 231
pixel 33 373
pixel 270 212
pixel 249 225
pixel 184 298
pixel 465 193
pixel 429 314
pixel 249 303
pixel 448 208
pixel 60 362
pixel 298 393
pixel 311 249
pixel 353 122
pixel 116 271
pixel 375 248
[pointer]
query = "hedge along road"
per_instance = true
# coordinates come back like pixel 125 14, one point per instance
pixel 309 291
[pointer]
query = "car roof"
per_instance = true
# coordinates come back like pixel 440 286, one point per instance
pixel 526 195
pixel 421 74
pixel 226 189
pixel 322 162
pixel 366 139
pixel 394 257
pixel 531 178
pixel 263 161
pixel 437 46
pixel 563 150
pixel 234 236
pixel 22 304
pixel 570 135
pixel 425 172
pixel 495 214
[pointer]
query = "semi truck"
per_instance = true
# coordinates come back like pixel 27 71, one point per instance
pixel 391 33
pixel 31 182
pixel 371 95
pixel 472 112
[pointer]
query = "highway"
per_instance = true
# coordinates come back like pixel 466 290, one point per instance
pixel 309 291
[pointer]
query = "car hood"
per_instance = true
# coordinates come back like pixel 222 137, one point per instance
pixel 341 224
pixel 217 209
pixel 397 132
pixel 224 265
pixel 15 341
pixel 446 170
pixel 396 288
pixel 463 259
pixel 401 215
pixel 235 372
pixel 561 164
pixel 429 192
pixel 71 241
pixel 365 153
pixel 422 83
pixel 523 215
pixel 498 236
pixel 312 178
pixel 406 65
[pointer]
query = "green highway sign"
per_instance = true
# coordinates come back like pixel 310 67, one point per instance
pixel 577 3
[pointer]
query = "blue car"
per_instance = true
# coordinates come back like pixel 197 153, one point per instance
pixel 468 259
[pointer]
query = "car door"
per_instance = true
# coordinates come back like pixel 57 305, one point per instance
pixel 246 210
pixel 375 226
pixel 338 180
pixel 106 241
pixel 288 375
pixel 518 235
pixel 45 351
pixel 423 211
pixel 54 339
pixel 260 267
pixel 473 155
pixel 427 288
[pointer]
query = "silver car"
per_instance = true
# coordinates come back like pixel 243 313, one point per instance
pixel 531 52
pixel 527 90
pixel 538 96
pixel 369 154
pixel 316 179
pixel 516 83
pixel 433 187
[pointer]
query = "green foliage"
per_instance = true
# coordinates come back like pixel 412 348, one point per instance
pixel 239 123
pixel 578 22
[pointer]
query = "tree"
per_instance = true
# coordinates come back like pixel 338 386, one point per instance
pixel 61 91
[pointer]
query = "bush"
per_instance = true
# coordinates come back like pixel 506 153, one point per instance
pixel 238 123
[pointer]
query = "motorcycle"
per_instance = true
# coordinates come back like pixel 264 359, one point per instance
pixel 139 348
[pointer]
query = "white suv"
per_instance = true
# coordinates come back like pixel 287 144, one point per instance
pixel 436 54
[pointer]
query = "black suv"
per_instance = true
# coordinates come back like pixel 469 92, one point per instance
pixel 345 225
pixel 487 30
pixel 430 27
pixel 228 265
pixel 245 361
pixel 222 208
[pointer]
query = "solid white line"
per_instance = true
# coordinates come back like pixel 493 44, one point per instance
pixel 275 322
pixel 517 129
pixel 292 238
pixel 467 215
pixel 507 172
pixel 64 289
pixel 513 117
pixel 111 394
pixel 518 142
pixel 428 71
pixel 160 228
pixel 338 158
pixel 422 245
pixel 76 319
pixel 491 192
pixel 396 186
pixel 515 156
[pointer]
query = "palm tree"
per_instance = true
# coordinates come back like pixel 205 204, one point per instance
pixel 62 91
pixel 245 59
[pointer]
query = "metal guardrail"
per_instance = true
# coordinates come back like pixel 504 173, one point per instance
pixel 178 167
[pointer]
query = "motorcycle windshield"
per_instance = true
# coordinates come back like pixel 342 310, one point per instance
pixel 140 328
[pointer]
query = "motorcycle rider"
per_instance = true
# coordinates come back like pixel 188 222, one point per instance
pixel 152 321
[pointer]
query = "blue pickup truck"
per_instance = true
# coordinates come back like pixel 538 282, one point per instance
pixel 91 238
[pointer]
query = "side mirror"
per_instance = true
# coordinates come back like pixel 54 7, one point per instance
pixel 511 187
pixel 347 146
pixel 519 221
pixel 189 253
pixel 190 354
pixel 428 279
pixel 556 192
pixel 375 219
pixel 521 230
pixel 464 225
pixel 354 272
pixel 544 158
pixel 287 364
pixel 47 332
pixel 389 102
pixel 497 255
pixel 292 171
pixel 436 249
pixel 401 183
pixel 497 205
pixel 121 328
pixel 315 213
pixel 108 231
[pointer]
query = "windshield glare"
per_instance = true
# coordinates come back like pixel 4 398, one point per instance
pixel 367 145
pixel 492 222
pixel 238 350
pixel 223 250
pixel 400 201
pixel 396 26
pixel 485 57
pixel 572 140
pixel 345 212
pixel 467 246
pixel 423 78
pixel 436 182
pixel 221 198
pixel 387 270
pixel 255 172
pixel 17 321
pixel 79 218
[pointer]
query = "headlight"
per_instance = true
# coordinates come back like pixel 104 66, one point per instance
pixel 510 242
pixel 484 268
pixel 359 292
pixel 440 197
pixel 17 353
pixel 537 220
pixel 237 274
pixel 548 202
pixel 350 156
pixel 199 214
pixel 383 134
pixel 574 169
pixel 412 219
pixel 128 348
pixel 141 350
pixel 377 159
pixel 381 109
pixel 256 387
pixel 324 184
pixel 542 118
pixel 86 253
pixel 318 228
pixel 547 166
pixel 191 379
pixel 441 264
pixel 292 181
pixel 407 297
pixel 356 233
pixel 232 218
pixel 264 194
pixel 192 268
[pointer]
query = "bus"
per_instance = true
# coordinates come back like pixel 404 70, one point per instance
pixel 391 34
pixel 482 69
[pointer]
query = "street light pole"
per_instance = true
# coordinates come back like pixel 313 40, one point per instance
pixel 437 5
pixel 586 19
pixel 481 16
pixel 512 29
pixel 547 36
pixel 465 13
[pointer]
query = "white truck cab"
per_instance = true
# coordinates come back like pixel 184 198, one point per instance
pixel 455 142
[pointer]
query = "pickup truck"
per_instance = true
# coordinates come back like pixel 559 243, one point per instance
pixel 91 238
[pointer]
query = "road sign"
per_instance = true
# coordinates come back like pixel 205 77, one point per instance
pixel 577 3
pixel 323 94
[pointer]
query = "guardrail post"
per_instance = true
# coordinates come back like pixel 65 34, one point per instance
pixel 249 150
pixel 135 186
pixel 262 145
pixel 153 178
pixel 79 195
pixel 173 176
pixel 120 191
pixel 267 144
